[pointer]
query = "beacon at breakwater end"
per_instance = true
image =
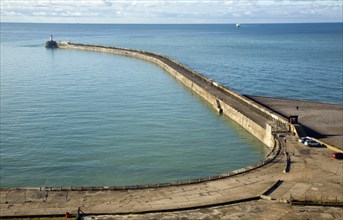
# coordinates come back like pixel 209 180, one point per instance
pixel 51 43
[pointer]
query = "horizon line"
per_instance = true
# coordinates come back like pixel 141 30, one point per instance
pixel 230 23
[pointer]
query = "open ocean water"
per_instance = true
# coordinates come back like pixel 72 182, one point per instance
pixel 77 118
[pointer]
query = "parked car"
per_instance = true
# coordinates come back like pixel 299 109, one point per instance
pixel 337 155
pixel 312 143
pixel 303 139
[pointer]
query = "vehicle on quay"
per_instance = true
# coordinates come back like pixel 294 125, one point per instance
pixel 303 139
pixel 312 143
pixel 337 155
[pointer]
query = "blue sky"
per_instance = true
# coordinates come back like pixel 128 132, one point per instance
pixel 171 11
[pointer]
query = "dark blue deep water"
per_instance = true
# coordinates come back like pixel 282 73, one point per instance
pixel 85 118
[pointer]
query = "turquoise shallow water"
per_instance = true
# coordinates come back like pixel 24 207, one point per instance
pixel 84 118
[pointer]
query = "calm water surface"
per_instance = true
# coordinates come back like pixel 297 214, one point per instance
pixel 85 118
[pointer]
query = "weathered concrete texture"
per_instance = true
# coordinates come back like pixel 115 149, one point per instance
pixel 313 176
pixel 245 211
pixel 323 121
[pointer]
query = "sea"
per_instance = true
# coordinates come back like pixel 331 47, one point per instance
pixel 79 118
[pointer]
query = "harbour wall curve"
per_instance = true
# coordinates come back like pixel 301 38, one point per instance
pixel 256 119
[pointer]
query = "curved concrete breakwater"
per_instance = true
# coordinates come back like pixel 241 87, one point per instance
pixel 272 179
pixel 255 118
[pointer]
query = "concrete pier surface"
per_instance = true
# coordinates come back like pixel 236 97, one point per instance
pixel 323 121
pixel 313 178
pixel 243 211
pixel 296 174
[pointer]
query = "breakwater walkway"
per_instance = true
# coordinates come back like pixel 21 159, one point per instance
pixel 249 114
pixel 290 173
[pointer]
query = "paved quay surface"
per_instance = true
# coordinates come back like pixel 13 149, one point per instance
pixel 313 176
pixel 323 121
pixel 257 210
pixel 18 202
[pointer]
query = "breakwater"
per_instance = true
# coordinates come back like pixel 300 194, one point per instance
pixel 258 120
pixel 275 181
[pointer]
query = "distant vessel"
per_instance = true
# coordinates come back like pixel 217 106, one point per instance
pixel 51 43
pixel 238 25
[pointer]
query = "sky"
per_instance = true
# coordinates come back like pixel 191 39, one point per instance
pixel 171 11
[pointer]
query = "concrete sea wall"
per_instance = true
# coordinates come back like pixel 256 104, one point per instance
pixel 261 127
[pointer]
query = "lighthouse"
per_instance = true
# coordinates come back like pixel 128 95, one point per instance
pixel 51 43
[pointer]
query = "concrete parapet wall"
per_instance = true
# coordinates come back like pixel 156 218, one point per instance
pixel 254 128
pixel 272 156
